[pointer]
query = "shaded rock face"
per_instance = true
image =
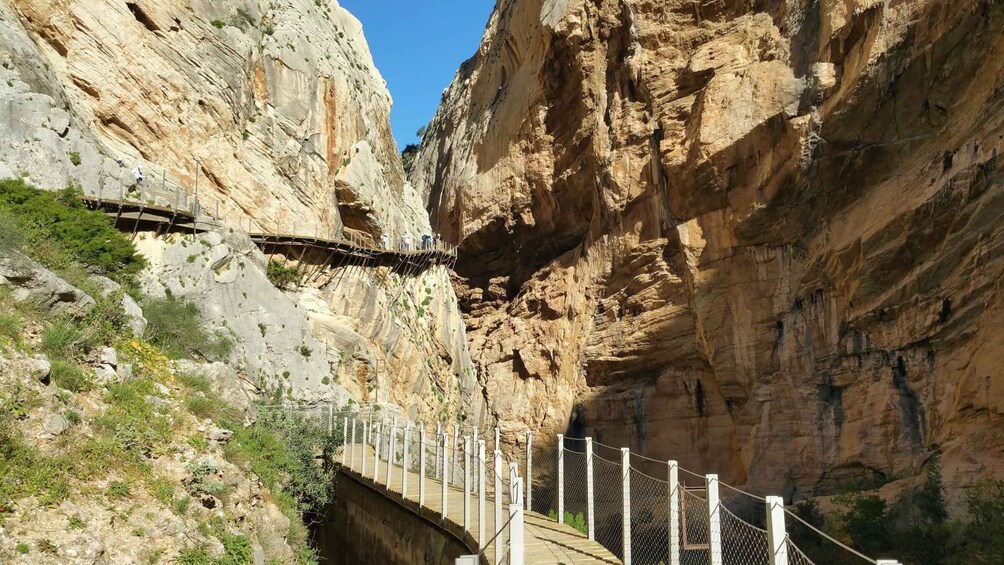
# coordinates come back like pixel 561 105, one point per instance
pixel 760 238
pixel 279 101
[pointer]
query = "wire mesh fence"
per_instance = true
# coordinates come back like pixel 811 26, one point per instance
pixel 649 519
pixel 575 486
pixel 608 477
pixel 695 536
pixel 795 555
pixel 545 483
pixel 736 528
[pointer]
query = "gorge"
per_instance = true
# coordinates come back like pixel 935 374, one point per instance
pixel 763 238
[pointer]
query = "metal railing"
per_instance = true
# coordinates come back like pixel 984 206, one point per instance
pixel 644 511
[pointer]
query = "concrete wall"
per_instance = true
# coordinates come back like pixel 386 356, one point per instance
pixel 367 527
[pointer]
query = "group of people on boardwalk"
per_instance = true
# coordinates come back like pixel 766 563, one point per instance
pixel 426 242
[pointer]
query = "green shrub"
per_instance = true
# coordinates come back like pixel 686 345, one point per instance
pixel 281 448
pixel 236 550
pixel 22 548
pixel 61 339
pixel 75 158
pixel 282 277
pixel 27 472
pixel 119 489
pixel 70 377
pixel 200 383
pixel 56 229
pixel 130 426
pixel 577 521
pixel 11 326
pixel 177 328
pixel 218 24
pixel 195 555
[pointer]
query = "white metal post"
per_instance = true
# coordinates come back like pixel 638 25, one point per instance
pixel 376 460
pixel 481 494
pixel 777 537
pixel 516 545
pixel 714 520
pixel 474 448
pixel 498 506
pixel 467 483
pixel 497 439
pixel 887 562
pixel 529 470
pixel 391 452
pixel 444 482
pixel 674 513
pixel 404 460
pixel 590 506
pixel 438 458
pixel 365 448
pixel 626 497
pixel 421 464
pixel 456 454
pixel 354 426
pixel 561 479
pixel 345 438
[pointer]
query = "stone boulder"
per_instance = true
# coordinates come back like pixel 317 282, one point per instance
pixel 34 283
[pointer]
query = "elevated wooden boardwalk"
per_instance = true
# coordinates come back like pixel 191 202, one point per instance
pixel 546 542
pixel 137 216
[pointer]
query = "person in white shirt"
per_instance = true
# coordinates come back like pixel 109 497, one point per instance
pixel 384 241
pixel 138 173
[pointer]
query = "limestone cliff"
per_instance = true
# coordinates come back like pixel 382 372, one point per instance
pixel 279 101
pixel 763 238
pixel 281 104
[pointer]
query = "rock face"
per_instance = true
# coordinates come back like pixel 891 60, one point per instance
pixel 765 242
pixel 357 333
pixel 279 101
pixel 281 104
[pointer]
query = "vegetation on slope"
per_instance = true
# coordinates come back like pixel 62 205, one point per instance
pixel 57 230
pixel 127 436
pixel 916 529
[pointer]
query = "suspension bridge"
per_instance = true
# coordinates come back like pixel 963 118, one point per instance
pixel 566 501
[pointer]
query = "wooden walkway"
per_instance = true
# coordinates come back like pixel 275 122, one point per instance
pixel 546 542
pixel 136 216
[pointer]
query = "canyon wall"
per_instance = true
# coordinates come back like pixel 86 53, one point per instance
pixel 281 104
pixel 763 238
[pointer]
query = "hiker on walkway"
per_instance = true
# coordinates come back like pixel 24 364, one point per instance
pixel 426 242
pixel 407 242
pixel 138 173
pixel 385 241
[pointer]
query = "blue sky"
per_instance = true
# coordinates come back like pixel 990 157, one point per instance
pixel 418 45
